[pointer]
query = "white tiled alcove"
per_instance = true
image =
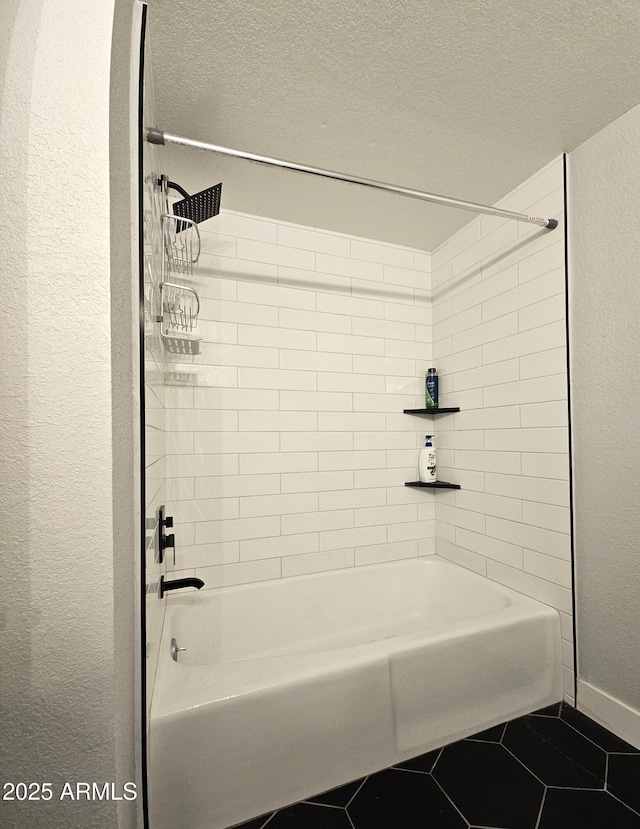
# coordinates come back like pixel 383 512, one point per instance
pixel 287 448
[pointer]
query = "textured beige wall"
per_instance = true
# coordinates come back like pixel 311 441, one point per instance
pixel 59 663
pixel 604 245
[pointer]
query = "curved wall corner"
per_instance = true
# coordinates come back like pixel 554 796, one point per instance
pixel 61 673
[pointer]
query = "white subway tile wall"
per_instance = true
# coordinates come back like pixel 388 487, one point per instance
pixel 499 343
pixel 287 449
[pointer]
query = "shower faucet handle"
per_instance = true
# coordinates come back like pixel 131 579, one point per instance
pixel 170 541
pixel 164 541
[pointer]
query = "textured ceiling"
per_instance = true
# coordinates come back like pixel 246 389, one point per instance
pixel 465 98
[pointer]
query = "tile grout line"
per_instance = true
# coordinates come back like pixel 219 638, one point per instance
pixel 574 788
pixel 630 808
pixel 449 799
pixel 357 792
pixel 542 802
pixel 532 773
pixel 568 757
pixel 411 771
pixel 597 745
pixel 346 811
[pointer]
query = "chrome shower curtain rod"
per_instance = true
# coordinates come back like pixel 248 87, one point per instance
pixel 156 136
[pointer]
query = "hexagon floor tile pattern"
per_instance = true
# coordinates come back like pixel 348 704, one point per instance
pixel 553 769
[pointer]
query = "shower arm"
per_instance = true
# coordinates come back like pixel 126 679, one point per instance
pixel 156 136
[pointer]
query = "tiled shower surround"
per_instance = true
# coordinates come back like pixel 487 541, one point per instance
pixel 499 340
pixel 287 448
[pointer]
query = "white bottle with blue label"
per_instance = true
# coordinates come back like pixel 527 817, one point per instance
pixel 427 461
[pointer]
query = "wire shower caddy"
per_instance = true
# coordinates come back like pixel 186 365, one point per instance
pixel 179 304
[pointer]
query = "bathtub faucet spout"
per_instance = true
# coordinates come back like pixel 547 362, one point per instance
pixel 178 584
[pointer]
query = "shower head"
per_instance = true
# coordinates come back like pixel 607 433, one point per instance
pixel 199 207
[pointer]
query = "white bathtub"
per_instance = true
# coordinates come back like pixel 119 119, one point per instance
pixel 288 688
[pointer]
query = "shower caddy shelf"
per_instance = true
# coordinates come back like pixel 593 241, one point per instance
pixel 434 484
pixel 180 308
pixel 179 304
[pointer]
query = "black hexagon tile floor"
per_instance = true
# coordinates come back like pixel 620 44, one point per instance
pixel 553 769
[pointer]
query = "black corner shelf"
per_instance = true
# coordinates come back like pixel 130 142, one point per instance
pixel 432 410
pixel 434 485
